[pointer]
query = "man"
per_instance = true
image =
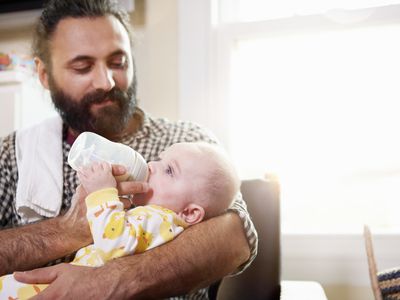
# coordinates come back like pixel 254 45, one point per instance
pixel 83 52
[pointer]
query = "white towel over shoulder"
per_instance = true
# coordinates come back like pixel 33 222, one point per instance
pixel 40 170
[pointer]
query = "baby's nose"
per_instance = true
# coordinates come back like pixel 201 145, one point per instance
pixel 151 166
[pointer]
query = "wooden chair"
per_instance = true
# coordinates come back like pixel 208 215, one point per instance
pixel 372 264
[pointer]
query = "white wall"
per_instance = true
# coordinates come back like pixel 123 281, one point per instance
pixel 156 57
pixel 337 262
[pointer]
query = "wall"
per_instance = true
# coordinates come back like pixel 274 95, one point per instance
pixel 337 261
pixel 155 25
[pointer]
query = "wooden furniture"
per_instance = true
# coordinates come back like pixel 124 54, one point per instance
pixel 372 264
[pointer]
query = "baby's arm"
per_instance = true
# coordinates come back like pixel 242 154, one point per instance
pixel 117 232
pixel 151 226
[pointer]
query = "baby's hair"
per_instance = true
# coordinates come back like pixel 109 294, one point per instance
pixel 222 182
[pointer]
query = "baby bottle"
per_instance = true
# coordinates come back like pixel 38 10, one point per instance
pixel 90 147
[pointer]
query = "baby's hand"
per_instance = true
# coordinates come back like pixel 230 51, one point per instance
pixel 96 176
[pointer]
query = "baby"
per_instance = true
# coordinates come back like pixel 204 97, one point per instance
pixel 190 183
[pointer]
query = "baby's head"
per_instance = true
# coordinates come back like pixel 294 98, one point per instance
pixel 196 180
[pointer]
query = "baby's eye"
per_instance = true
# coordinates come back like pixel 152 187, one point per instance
pixel 169 171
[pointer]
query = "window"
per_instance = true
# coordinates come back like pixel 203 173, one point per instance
pixel 310 94
pixel 321 110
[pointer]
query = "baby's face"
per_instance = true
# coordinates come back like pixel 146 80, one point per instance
pixel 172 179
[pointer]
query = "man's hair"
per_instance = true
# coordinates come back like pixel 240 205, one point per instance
pixel 56 10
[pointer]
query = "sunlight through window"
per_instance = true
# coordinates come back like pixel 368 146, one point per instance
pixel 321 111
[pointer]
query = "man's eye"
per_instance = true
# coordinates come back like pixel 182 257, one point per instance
pixel 82 70
pixel 119 63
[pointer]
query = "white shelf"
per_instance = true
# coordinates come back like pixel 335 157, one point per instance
pixel 14 76
pixel 23 101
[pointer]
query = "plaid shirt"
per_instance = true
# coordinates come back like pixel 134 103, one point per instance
pixel 154 136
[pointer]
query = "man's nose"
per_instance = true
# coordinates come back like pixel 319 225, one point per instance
pixel 103 78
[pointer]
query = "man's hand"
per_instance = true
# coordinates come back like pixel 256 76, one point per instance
pixel 139 277
pixel 75 220
pixel 68 282
pixel 154 274
pixel 128 188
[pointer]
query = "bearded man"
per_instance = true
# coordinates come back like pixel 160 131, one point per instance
pixel 83 54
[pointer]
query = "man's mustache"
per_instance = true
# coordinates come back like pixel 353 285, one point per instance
pixel 98 97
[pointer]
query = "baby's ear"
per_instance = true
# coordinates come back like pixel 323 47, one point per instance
pixel 192 214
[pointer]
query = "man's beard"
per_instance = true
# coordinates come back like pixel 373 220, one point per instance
pixel 109 120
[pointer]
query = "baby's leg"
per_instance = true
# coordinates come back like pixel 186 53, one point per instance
pixel 12 289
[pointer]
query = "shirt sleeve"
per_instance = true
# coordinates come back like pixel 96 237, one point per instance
pixel 8 179
pixel 239 206
pixel 104 214
pixel 197 133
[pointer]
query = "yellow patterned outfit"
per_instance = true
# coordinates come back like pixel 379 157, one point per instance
pixel 115 232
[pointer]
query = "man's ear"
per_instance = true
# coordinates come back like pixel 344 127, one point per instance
pixel 42 72
pixel 192 214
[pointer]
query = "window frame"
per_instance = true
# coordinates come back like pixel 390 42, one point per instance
pixel 204 47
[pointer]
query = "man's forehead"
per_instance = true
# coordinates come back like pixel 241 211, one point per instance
pixel 98 36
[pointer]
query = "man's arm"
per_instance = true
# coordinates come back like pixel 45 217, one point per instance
pixel 199 256
pixel 34 245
